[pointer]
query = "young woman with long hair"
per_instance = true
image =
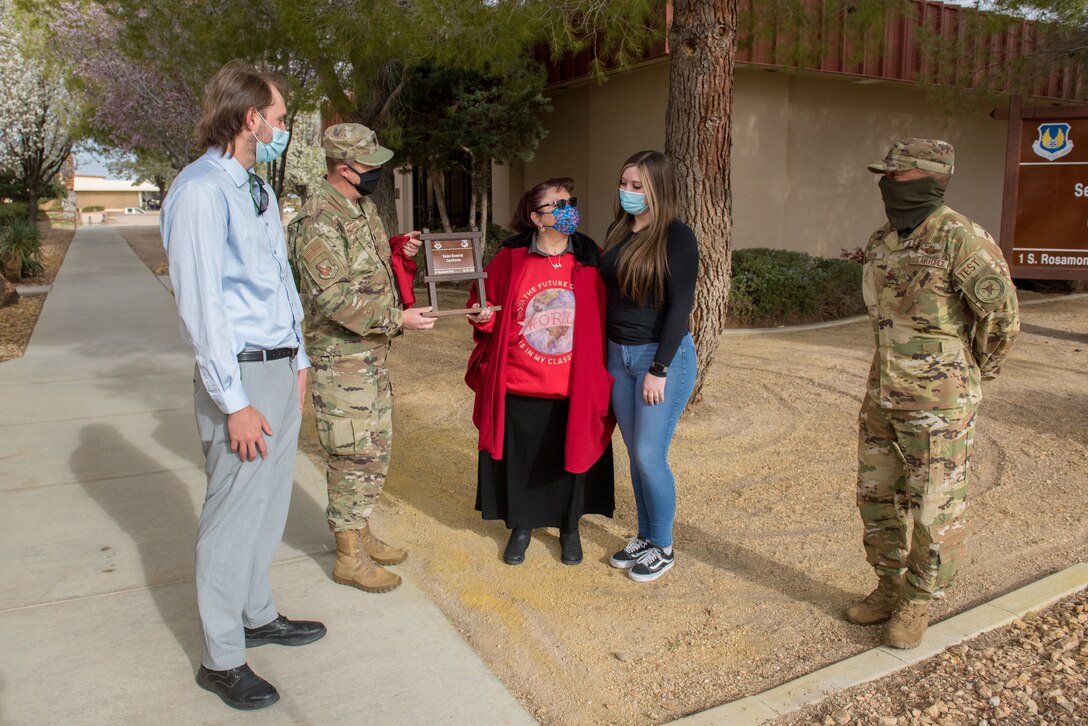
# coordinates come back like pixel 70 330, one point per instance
pixel 650 263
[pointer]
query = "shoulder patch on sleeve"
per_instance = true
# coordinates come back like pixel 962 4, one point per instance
pixel 990 289
pixel 323 267
pixel 314 250
pixel 971 267
pixel 984 281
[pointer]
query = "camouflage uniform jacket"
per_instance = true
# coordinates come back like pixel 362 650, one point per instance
pixel 341 254
pixel 944 312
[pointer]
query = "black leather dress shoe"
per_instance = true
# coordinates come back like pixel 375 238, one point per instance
pixel 282 631
pixel 571 545
pixel 515 548
pixel 239 687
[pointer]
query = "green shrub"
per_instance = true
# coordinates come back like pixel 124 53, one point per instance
pixel 94 208
pixel 496 235
pixel 783 287
pixel 21 250
pixel 11 212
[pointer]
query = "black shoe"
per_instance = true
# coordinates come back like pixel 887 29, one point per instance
pixel 571 545
pixel 239 687
pixel 515 548
pixel 282 631
pixel 631 553
pixel 652 565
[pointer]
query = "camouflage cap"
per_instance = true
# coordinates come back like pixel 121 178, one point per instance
pixel 355 142
pixel 926 154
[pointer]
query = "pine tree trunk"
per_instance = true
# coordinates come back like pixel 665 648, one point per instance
pixel 698 122
pixel 438 184
pixel 485 197
pixel 474 190
pixel 385 199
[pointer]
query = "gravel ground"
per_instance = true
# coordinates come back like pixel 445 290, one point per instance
pixel 1034 671
pixel 768 538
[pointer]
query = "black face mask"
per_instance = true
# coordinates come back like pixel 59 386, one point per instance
pixel 908 203
pixel 368 181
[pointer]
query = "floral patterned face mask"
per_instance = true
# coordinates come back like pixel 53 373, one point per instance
pixel 566 219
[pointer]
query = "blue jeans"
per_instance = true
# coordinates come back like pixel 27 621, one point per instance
pixel 647 430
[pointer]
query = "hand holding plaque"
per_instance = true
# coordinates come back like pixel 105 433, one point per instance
pixel 454 257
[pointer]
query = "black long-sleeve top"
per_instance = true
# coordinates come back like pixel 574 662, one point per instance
pixel 631 323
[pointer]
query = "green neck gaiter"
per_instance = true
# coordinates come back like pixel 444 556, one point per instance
pixel 908 203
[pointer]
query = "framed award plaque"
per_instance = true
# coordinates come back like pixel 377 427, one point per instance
pixel 453 257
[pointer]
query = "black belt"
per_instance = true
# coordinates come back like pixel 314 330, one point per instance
pixel 258 356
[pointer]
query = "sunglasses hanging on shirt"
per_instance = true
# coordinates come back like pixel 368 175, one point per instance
pixel 258 194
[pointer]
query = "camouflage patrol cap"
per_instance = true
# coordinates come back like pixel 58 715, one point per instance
pixel 926 154
pixel 354 142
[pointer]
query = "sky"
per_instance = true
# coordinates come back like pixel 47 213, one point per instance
pixel 91 164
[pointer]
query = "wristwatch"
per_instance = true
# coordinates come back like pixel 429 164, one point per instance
pixel 658 370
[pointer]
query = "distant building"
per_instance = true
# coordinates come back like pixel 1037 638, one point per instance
pixel 112 194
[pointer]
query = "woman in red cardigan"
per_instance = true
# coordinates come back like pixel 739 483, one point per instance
pixel 538 371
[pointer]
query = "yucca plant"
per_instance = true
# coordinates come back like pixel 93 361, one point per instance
pixel 21 250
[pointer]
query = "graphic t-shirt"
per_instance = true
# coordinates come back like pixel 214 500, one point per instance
pixel 539 352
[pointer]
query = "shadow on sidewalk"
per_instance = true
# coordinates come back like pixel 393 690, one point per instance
pixel 157 512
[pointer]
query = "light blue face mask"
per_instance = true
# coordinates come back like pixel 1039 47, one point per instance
pixel 271 150
pixel 633 202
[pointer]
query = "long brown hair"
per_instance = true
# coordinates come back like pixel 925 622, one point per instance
pixel 533 199
pixel 235 89
pixel 642 266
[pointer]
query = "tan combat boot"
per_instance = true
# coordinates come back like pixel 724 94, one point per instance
pixel 879 605
pixel 355 568
pixel 380 552
pixel 908 624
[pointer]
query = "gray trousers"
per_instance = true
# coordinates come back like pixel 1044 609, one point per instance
pixel 244 512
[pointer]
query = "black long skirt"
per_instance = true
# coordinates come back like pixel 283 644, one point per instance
pixel 528 487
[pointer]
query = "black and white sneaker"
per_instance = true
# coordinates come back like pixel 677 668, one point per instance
pixel 626 558
pixel 653 564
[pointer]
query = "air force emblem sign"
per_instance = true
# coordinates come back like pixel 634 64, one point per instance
pixel 1053 142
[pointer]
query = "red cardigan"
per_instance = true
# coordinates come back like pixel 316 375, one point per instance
pixel 590 423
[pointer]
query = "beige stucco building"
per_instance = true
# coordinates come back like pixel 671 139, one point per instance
pixel 800 145
pixel 112 194
pixel 800 137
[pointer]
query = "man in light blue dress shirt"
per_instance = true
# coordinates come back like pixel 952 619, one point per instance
pixel 241 314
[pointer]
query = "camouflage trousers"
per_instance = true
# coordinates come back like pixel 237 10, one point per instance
pixel 913 470
pixel 353 401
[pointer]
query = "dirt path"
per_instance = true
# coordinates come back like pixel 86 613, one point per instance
pixel 767 536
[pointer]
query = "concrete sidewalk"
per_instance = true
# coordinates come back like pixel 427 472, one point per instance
pixel 101 483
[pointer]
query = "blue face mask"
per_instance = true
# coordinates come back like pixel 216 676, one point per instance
pixel 566 219
pixel 633 202
pixel 270 151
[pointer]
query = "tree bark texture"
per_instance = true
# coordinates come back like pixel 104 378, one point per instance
pixel 485 196
pixel 698 141
pixel 438 185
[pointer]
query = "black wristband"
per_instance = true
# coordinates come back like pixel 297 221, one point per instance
pixel 656 369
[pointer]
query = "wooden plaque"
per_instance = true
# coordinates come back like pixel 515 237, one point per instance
pixel 453 257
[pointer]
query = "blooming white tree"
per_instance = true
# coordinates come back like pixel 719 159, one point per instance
pixel 35 114
pixel 305 157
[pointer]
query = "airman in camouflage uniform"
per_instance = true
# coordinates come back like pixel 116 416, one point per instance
pixel 353 310
pixel 944 314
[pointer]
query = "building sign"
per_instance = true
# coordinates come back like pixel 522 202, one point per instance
pixel 1044 229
